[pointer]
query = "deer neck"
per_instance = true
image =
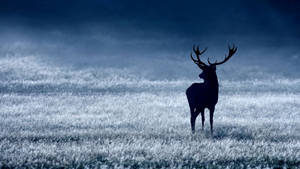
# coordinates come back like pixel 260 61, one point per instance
pixel 212 83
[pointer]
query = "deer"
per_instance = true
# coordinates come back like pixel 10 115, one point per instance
pixel 205 95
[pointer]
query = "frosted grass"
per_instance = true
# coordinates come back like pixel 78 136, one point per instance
pixel 68 118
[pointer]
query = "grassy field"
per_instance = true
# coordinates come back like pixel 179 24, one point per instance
pixel 51 118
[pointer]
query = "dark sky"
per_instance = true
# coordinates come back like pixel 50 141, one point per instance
pixel 156 28
pixel 276 18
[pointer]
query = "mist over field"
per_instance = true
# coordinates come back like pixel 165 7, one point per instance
pixel 101 84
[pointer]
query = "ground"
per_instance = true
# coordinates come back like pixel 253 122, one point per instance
pixel 52 117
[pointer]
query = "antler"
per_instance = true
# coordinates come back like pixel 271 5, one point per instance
pixel 198 53
pixel 231 52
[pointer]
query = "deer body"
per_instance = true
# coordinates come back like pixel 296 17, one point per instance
pixel 205 95
pixel 201 96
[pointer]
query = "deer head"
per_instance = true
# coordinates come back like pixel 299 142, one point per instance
pixel 209 71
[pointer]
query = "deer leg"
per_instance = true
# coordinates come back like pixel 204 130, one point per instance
pixel 193 119
pixel 211 119
pixel 203 119
pixel 194 114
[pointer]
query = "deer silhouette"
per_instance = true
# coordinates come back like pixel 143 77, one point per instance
pixel 205 95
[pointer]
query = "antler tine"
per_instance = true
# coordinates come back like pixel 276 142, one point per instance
pixel 210 62
pixel 193 58
pixel 231 52
pixel 198 53
pixel 203 51
pixel 199 64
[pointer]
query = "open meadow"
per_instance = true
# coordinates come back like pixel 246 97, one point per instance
pixel 53 117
